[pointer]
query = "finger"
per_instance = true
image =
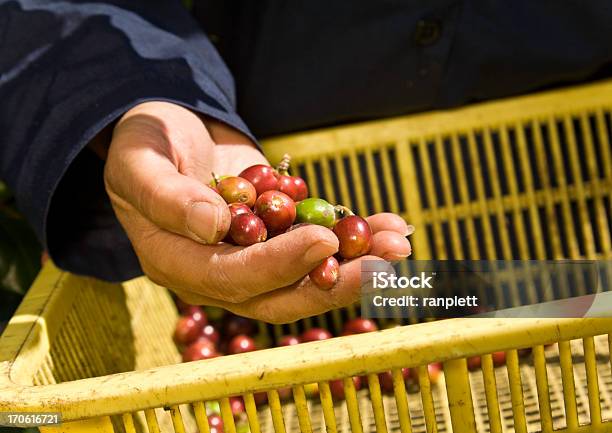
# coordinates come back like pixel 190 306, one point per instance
pixel 305 299
pixel 235 274
pixel 390 245
pixel 389 222
pixel 300 300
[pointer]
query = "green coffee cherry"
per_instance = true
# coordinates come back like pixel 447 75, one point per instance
pixel 315 211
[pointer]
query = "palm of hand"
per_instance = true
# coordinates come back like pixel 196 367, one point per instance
pixel 159 162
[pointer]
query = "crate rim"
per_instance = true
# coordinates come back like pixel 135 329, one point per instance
pixel 183 383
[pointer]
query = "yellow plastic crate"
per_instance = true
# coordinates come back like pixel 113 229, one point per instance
pixel 528 177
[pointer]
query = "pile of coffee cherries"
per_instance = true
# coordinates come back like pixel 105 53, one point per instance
pixel 208 332
pixel 265 202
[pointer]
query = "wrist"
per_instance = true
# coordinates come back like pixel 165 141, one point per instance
pixel 222 133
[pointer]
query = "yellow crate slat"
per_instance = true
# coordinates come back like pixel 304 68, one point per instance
pixel 352 405
pixel 462 186
pixel 526 171
pixel 560 173
pixel 357 185
pixel 388 179
pixel 251 410
pixel 412 201
pixel 509 173
pixel 375 182
pixel 128 423
pixel 345 197
pixel 432 197
pixel 600 209
pixel 445 178
pixel 301 406
pixel 200 415
pixel 574 157
pixel 429 411
pixel 377 403
pixel 459 396
pixel 328 186
pixel 569 389
pixel 592 382
pixel 227 416
pixel 277 411
pixel 401 399
pixel 177 419
pixel 539 361
pixel 516 390
pixel 491 393
pixel 328 407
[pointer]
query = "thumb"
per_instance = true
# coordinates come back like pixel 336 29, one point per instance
pixel 185 206
pixel 172 201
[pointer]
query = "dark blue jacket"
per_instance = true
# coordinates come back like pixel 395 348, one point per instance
pixel 69 68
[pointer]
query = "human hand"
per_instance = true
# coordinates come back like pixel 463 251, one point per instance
pixel 157 169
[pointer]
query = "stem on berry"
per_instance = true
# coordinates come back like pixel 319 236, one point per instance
pixel 215 179
pixel 283 166
pixel 342 211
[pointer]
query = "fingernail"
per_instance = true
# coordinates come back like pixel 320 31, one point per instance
pixel 319 251
pixel 409 230
pixel 203 221
pixel 395 257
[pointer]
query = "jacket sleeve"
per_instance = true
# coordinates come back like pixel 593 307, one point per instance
pixel 67 70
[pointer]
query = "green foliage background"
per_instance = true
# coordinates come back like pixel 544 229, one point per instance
pixel 19 264
pixel 19 255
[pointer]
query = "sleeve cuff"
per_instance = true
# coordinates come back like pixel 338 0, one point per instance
pixel 80 228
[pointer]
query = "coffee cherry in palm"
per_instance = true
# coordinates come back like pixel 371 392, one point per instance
pixel 326 274
pixel 262 177
pixel 238 209
pixel 316 211
pixel 247 229
pixel 355 236
pixel 276 209
pixel 293 186
pixel 235 189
